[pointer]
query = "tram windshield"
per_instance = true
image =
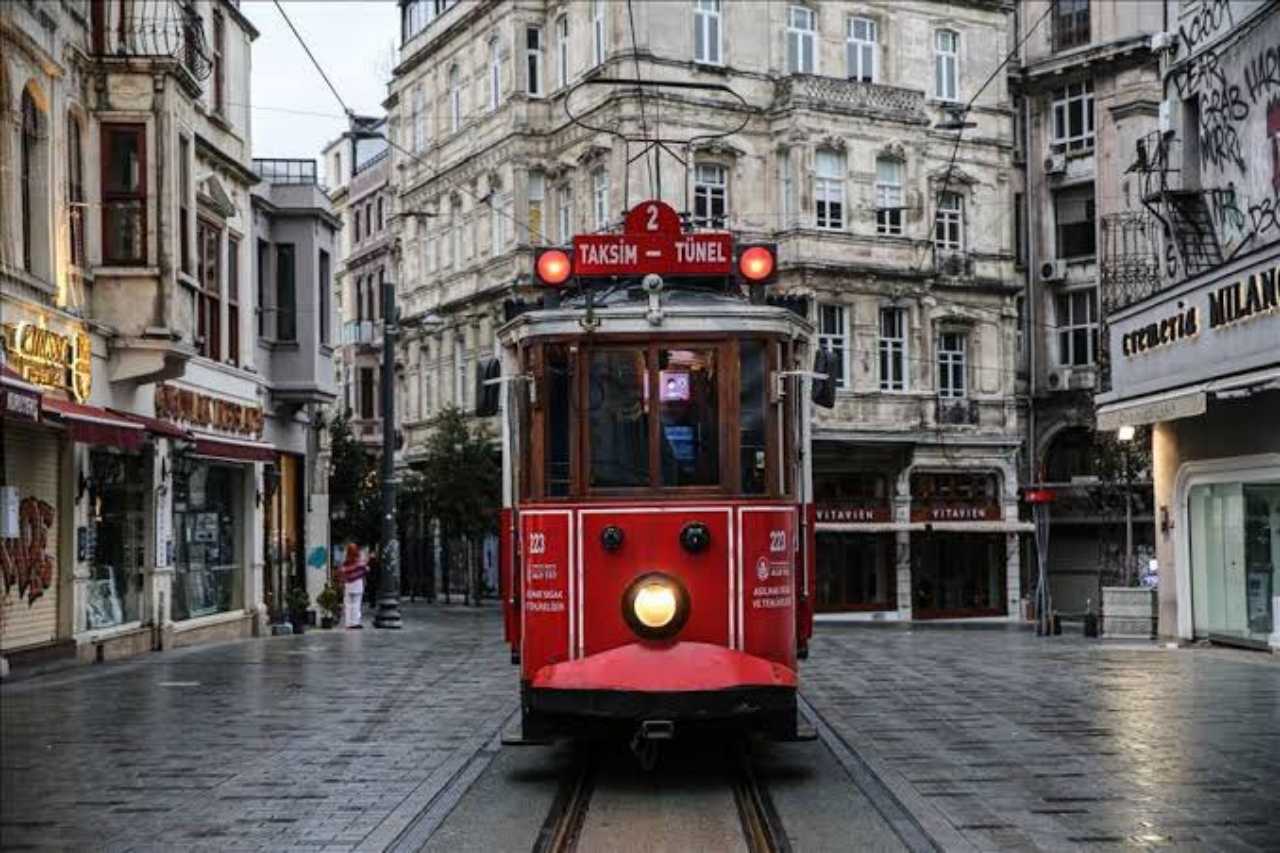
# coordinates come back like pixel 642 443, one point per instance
pixel 673 416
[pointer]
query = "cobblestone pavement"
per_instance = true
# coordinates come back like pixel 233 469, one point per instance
pixel 1002 740
pixel 331 740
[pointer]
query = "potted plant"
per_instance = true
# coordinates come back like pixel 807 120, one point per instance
pixel 330 602
pixel 298 603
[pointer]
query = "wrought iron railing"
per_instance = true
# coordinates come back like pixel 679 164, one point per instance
pixel 1130 268
pixel 852 95
pixel 957 411
pixel 151 28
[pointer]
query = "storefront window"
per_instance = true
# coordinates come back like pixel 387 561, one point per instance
pixel 114 541
pixel 209 577
pixel 857 571
pixel 1235 558
pixel 957 574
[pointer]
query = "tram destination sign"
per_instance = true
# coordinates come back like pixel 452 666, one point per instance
pixel 652 241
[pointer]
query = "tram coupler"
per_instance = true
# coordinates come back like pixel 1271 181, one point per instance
pixel 656 730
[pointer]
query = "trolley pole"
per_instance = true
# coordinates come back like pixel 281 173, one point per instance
pixel 388 615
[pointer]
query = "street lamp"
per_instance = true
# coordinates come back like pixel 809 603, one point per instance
pixel 1125 436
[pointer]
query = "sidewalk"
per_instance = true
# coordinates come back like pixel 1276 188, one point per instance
pixel 332 740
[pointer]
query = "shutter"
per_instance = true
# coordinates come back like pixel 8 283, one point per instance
pixel 31 463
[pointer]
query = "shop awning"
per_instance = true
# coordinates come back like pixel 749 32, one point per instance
pixel 93 425
pixel 19 399
pixel 1181 402
pixel 234 451
pixel 922 526
pixel 155 426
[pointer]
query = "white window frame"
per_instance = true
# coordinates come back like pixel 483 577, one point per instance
pixel 710 184
pixel 564 213
pixel 833 336
pixel 948 223
pixel 533 63
pixel 889 195
pixel 802 33
pixel 893 348
pixel 1080 92
pixel 953 364
pixel 495 226
pixel 597 31
pixel 708 38
pixel 562 51
pixel 455 99
pixel 495 74
pixel 600 197
pixel 946 65
pixel 863 50
pixel 537 219
pixel 460 373
pixel 828 190
pixel 787 187
pixel 1068 324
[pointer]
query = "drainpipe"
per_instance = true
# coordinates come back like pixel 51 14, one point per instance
pixel 1029 315
pixel 163 308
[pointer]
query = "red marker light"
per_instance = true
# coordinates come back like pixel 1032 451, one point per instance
pixel 553 267
pixel 756 264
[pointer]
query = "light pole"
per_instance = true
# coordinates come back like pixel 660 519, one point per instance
pixel 388 615
pixel 1125 436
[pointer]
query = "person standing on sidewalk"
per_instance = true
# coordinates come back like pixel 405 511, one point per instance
pixel 354 568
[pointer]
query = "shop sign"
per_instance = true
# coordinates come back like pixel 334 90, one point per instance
pixel 20 405
pixel 955 512
pixel 181 404
pixel 850 514
pixel 50 359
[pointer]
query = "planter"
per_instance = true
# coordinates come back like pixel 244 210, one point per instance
pixel 327 621
pixel 1129 612
pixel 299 625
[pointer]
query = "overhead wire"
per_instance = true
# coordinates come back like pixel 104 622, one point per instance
pixel 655 190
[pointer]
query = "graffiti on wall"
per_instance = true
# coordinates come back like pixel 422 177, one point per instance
pixel 25 561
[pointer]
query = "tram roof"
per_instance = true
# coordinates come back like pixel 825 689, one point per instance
pixel 685 310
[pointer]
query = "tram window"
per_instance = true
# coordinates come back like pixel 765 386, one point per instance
pixel 689 441
pixel 618 418
pixel 752 420
pixel 559 368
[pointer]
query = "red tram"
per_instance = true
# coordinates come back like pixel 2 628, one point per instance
pixel 657 524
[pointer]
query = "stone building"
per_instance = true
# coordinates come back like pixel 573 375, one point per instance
pixel 148 425
pixel 893 225
pixel 1193 344
pixel 1087 90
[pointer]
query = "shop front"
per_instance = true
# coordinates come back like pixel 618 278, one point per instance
pixel 959 561
pixel 1200 362
pixel 856 566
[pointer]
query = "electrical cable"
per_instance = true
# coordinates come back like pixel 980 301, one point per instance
pixel 313 59
pixel 655 189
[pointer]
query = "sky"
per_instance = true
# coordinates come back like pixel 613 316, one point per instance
pixel 294 113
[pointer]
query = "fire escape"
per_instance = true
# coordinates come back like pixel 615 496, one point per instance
pixel 1182 211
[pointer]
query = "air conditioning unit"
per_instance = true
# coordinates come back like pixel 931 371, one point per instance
pixel 1163 41
pixel 1055 270
pixel 1055 164
pixel 1060 379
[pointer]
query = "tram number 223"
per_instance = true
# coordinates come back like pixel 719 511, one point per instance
pixel 537 543
pixel 777 541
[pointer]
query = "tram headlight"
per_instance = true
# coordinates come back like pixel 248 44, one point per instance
pixel 655 605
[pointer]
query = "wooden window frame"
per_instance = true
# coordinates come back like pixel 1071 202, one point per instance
pixel 233 299
pixel 110 197
pixel 209 288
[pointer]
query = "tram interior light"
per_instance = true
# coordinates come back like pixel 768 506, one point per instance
pixel 553 267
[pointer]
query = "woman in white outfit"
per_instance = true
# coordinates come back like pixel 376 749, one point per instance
pixel 354 569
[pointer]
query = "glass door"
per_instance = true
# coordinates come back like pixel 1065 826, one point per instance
pixel 1235 558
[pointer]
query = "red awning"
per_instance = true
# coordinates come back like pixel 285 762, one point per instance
pixel 92 425
pixel 155 426
pixel 234 451
pixel 19 399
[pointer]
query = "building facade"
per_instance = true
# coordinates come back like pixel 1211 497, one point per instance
pixel 1087 87
pixel 1194 346
pixel 890 213
pixel 145 421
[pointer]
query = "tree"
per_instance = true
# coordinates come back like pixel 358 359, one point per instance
pixel 353 486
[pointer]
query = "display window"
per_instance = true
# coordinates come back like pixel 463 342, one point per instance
pixel 856 571
pixel 957 575
pixel 207 520
pixel 1235 558
pixel 115 541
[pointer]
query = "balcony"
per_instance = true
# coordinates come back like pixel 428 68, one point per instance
pixel 151 29
pixel 364 332
pixel 953 411
pixel 851 96
pixel 282 172
pixel 953 264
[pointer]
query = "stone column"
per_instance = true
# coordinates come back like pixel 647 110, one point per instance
pixel 902 542
pixel 161 544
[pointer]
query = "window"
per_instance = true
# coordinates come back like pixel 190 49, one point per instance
pixel 209 299
pixel 286 294
pixel 537 189
pixel 1021 303
pixel 377 294
pixel 706 32
pixel 1070 24
pixel 260 297
pixel 322 297
pixel 946 64
pixel 75 192
pixel 948 225
pixel 753 415
pixel 1077 316
pixel 562 50
pixel 689 423
pixel 495 225
pixel 709 195
pixel 893 349
pixel 828 190
pixel 833 337
pixel 219 64
pixel 368 219
pixel 533 60
pixel 951 364
pixel 367 385
pixel 787 188
pixel 1074 215
pixel 1019 227
pixel 460 373
pixel 233 300
pixel 184 203
pixel 617 423
pixel 455 99
pixel 34 192
pixel 356 227
pixel 801 38
pixel 124 194
pixel 382 223
pixel 888 196
pixel 564 213
pixel 861 49
pixel 600 197
pixel 495 74
pixel 419 118
pixel 597 30
pixel 1073 117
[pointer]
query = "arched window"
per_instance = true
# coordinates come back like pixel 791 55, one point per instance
pixel 495 73
pixel 455 99
pixel 75 191
pixel 1071 454
pixel 31 191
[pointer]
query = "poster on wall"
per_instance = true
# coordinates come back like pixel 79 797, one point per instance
pixel 202 593
pixel 102 607
pixel 206 529
pixel 164 533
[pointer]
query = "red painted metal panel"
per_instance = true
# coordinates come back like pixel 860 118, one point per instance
pixel 507 580
pixel 546 560
pixel 651 542
pixel 768 582
pixel 651 668
pixel 808 558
